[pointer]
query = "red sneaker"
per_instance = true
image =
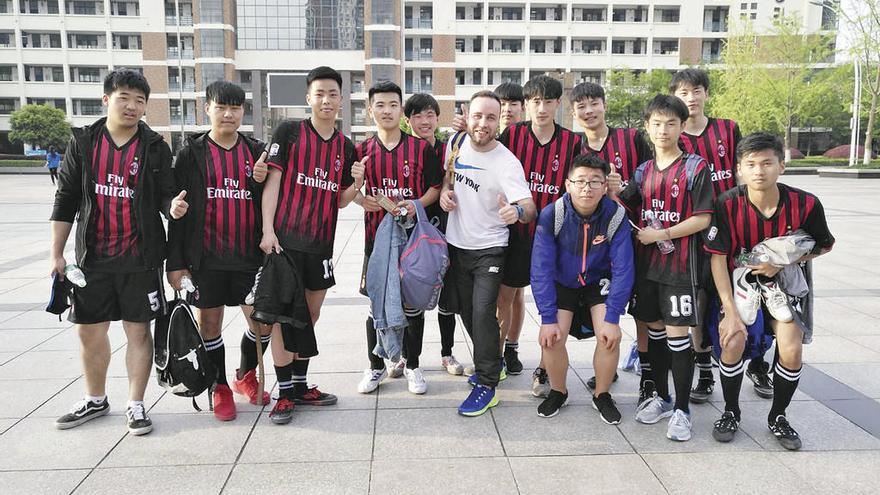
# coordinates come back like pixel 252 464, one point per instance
pixel 224 405
pixel 282 413
pixel 315 397
pixel 247 386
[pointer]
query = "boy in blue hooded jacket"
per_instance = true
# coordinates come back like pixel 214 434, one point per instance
pixel 582 274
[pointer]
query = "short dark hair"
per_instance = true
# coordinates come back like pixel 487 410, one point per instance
pixel 544 87
pixel 323 72
pixel 586 90
pixel 486 94
pixel 760 141
pixel 589 161
pixel 510 91
pixel 419 103
pixel 126 78
pixel 224 93
pixel 692 77
pixel 384 87
pixel 666 105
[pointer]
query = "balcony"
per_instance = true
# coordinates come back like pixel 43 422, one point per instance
pixel 185 20
pixel 175 53
pixel 177 120
pixel 422 23
pixel 418 55
pixel 418 87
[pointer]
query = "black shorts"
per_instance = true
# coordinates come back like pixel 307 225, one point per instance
pixel 107 296
pixel 315 270
pixel 517 264
pixel 216 288
pixel 579 301
pixel 672 304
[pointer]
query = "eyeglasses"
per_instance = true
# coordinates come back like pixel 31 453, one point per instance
pixel 581 183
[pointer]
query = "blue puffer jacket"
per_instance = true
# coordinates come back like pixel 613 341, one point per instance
pixel 581 255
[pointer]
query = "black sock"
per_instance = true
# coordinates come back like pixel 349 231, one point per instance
pixel 785 382
pixel 682 363
pixel 703 360
pixel 285 381
pixel 300 368
pixel 731 383
pixel 658 352
pixel 217 355
pixel 447 332
pixel 249 352
pixel 645 367
pixel 376 363
pixel 412 339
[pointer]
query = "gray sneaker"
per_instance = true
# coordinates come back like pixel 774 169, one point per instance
pixel 540 383
pixel 679 428
pixel 653 410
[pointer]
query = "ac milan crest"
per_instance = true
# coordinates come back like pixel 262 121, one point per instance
pixel 618 163
pixel 337 165
pixel 406 170
pixel 721 150
pixel 555 164
pixel 247 170
pixel 674 190
pixel 133 168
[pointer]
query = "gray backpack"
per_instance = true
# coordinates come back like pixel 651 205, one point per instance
pixel 423 263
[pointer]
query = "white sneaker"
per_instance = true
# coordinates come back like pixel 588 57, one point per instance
pixel 470 370
pixel 679 428
pixel 371 379
pixel 746 295
pixel 397 368
pixel 451 365
pixel 415 381
pixel 653 410
pixel 776 301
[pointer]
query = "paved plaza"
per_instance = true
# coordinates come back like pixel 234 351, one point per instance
pixel 394 442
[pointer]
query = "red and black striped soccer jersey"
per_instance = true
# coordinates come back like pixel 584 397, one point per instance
pixel 545 167
pixel 113 230
pixel 405 172
pixel 665 193
pixel 717 144
pixel 231 238
pixel 624 149
pixel 315 171
pixel 737 226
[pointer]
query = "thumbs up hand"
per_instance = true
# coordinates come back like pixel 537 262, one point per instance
pixel 179 206
pixel 260 168
pixel 508 212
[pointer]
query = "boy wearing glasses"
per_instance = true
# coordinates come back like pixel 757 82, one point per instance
pixel 582 270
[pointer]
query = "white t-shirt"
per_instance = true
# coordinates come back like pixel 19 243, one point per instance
pixel 479 179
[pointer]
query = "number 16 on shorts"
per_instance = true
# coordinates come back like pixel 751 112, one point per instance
pixel 328 268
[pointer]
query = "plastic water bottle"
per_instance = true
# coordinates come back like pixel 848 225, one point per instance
pixel 75 275
pixel 666 246
pixel 186 284
pixel 752 259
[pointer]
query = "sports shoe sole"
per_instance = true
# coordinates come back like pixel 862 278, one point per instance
pixel 700 398
pixel 490 405
pixel 225 418
pixel 602 417
pixel 82 420
pixel 564 403
pixel 659 418
pixel 723 437
pixel 324 402
pixel 143 430
pixel 679 439
pixel 281 420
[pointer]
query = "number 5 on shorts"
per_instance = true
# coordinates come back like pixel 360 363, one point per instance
pixel 154 300
pixel 681 306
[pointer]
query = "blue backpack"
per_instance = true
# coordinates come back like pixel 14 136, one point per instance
pixel 423 263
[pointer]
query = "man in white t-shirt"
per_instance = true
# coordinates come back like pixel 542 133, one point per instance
pixel 488 193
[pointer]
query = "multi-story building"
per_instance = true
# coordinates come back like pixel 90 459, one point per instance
pixel 57 52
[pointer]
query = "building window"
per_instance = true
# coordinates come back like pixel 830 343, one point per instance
pixel 85 74
pixel 8 105
pixel 88 107
pixel 37 73
pixel 382 45
pixel 211 11
pixel 300 25
pixel 126 41
pixel 212 43
pixel 125 7
pixel 5 6
pixel 7 40
pixel 38 7
pixel 52 102
pixel 79 7
pixel 211 73
pixel 382 12
pixel 384 73
pixel 8 73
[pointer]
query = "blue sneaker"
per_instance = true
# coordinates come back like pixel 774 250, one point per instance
pixel 480 400
pixel 473 380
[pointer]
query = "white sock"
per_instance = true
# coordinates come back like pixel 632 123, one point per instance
pixel 133 403
pixel 97 399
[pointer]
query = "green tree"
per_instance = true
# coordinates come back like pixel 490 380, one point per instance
pixel 39 125
pixel 629 92
pixel 770 82
pixel 864 30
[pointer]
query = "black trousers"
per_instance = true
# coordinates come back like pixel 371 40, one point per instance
pixel 478 275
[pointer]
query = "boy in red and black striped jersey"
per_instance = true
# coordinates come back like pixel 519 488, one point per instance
pixel 744 216
pixel 311 171
pixel 402 168
pixel 218 243
pixel 715 140
pixel 546 151
pixel 674 189
pixel 422 113
pixel 115 181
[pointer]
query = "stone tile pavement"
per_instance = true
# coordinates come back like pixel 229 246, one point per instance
pixel 393 442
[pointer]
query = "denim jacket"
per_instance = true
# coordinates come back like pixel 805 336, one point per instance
pixel 383 288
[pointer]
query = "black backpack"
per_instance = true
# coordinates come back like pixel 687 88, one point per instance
pixel 182 364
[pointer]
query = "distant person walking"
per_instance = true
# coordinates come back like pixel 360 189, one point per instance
pixel 53 159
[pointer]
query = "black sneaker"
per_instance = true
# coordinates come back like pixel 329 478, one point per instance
pixel 138 421
pixel 786 435
pixel 282 412
pixel 726 427
pixel 552 404
pixel 84 410
pixel 607 409
pixel 763 383
pixel 511 358
pixel 646 391
pixel 703 391
pixel 591 383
